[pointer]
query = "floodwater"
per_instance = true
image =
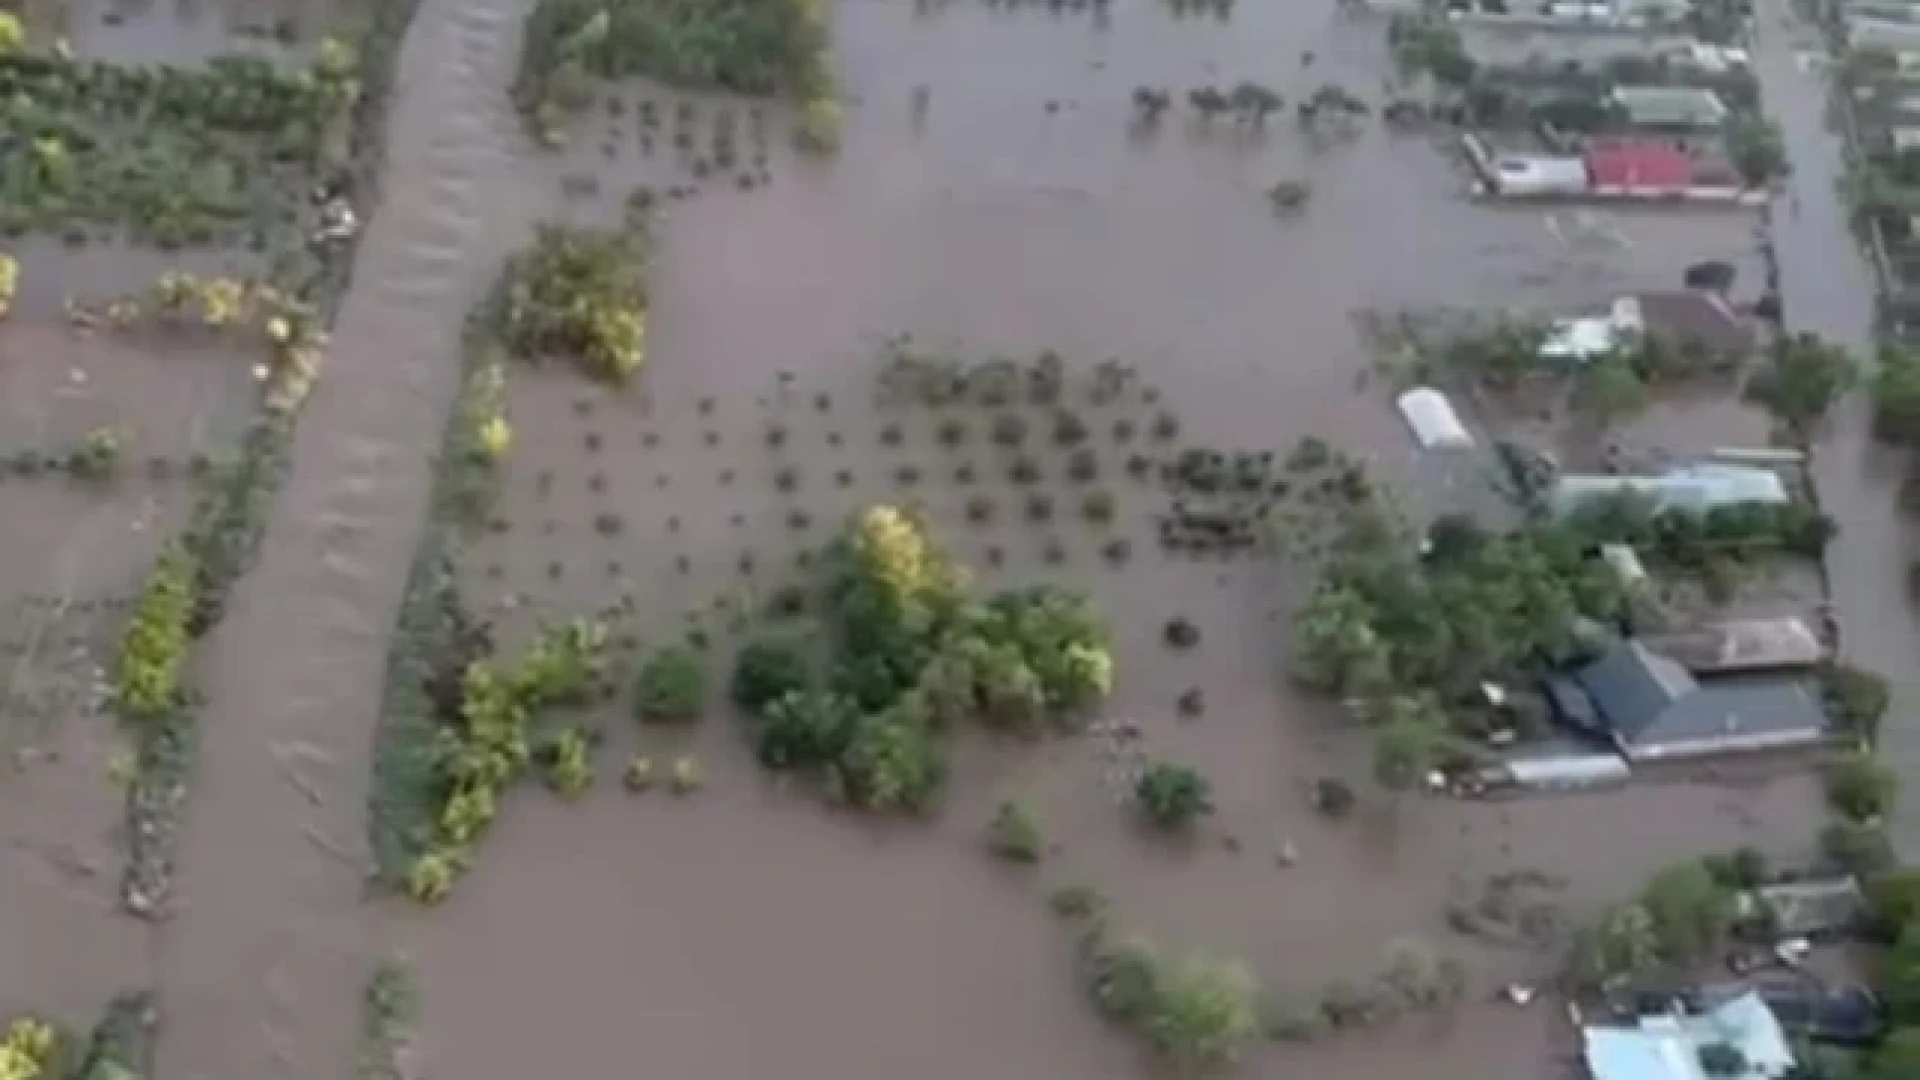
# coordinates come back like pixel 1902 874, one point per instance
pixel 1829 290
pixel 263 965
pixel 745 929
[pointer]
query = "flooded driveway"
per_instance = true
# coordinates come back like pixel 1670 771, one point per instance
pixel 1829 290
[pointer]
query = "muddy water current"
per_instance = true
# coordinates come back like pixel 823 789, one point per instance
pixel 1829 291
pixel 262 965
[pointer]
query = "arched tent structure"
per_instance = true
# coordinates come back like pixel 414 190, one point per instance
pixel 1430 416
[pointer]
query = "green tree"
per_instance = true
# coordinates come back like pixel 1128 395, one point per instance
pixel 770 667
pixel 1340 651
pixel 1412 737
pixel 1896 394
pixel 1860 787
pixel 1014 834
pixel 672 685
pixel 1689 909
pixel 1900 978
pixel 1624 942
pixel 1896 1058
pixel 1893 903
pixel 1204 1011
pixel 1610 388
pixel 803 729
pixel 1803 378
pixel 1755 147
pixel 1857 699
pixel 1173 796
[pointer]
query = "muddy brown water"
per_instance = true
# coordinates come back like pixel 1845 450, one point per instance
pixel 1830 291
pixel 747 929
pixel 262 967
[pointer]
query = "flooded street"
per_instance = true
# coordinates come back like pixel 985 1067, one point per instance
pixel 263 965
pixel 1828 289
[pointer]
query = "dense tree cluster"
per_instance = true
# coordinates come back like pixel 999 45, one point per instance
pixel 1894 909
pixel 914 654
pixel 1680 915
pixel 1802 379
pixel 1474 606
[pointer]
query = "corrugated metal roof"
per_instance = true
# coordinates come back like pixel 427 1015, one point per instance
pixel 1668 1047
pixel 1431 417
pixel 1639 164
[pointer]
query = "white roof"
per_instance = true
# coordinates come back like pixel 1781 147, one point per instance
pixel 1431 418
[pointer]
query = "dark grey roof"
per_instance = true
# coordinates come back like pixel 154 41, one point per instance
pixel 1648 699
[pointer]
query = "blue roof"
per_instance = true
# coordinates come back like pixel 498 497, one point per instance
pixel 1668 1047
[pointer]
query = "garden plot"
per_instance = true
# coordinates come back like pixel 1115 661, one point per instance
pixel 103 446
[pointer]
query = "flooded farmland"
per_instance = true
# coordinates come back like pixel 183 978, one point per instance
pixel 995 196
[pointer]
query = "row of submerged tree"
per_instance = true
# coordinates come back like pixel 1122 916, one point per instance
pixel 1250 103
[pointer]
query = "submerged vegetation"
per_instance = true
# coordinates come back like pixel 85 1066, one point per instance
pixel 171 155
pixel 759 48
pixel 580 295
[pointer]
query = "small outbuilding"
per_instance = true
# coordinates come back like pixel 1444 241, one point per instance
pixel 1433 421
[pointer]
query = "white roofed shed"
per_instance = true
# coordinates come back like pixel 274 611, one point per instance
pixel 1430 416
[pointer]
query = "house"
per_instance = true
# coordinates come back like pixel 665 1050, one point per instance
pixel 1699 316
pixel 1670 1047
pixel 1692 488
pixel 1670 108
pixel 1811 909
pixel 1652 709
pixel 1639 164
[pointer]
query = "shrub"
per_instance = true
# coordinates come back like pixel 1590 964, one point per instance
pixel 1039 507
pixel 1333 797
pixel 1009 429
pixel 1192 703
pixel 1203 1011
pixel 803 729
pixel 97 457
pixel 1173 796
pixel 1860 787
pixel 671 686
pixel 1014 834
pixel 569 763
pixel 1069 429
pixel 1181 633
pixel 639 773
pixel 148 672
pixel 818 128
pixel 687 776
pixel 952 432
pixel 1024 471
pixel 9 266
pixel 1856 847
pixel 1166 427
pixel 1083 467
pixel 907 475
pixel 786 480
pixel 579 293
pixel 769 668
pixel 1856 699
pixel 891 435
pixel 1117 550
pixel 980 509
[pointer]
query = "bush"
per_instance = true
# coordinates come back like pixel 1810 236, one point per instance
pixel 1173 796
pixel 671 686
pixel 1855 847
pixel 1014 834
pixel 1009 429
pixel 1181 633
pixel 148 672
pixel 1861 788
pixel 581 294
pixel 1196 1012
pixel 818 128
pixel 1856 699
pixel 1333 797
pixel 769 668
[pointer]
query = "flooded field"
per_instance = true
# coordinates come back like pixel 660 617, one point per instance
pixel 994 196
pixel 1003 216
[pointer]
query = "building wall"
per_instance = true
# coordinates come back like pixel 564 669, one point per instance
pixel 1730 744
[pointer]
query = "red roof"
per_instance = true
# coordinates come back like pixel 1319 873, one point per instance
pixel 1639 164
